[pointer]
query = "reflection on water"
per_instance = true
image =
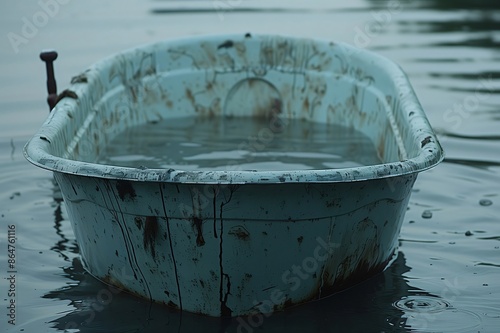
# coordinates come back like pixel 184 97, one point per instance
pixel 64 245
pixel 456 4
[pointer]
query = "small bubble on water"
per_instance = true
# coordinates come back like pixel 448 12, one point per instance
pixel 427 214
pixel 485 202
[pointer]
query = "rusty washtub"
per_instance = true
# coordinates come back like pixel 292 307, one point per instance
pixel 236 242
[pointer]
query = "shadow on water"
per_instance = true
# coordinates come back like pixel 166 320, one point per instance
pixel 365 307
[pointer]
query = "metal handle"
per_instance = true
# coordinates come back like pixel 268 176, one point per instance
pixel 48 57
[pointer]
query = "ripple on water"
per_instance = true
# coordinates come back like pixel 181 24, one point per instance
pixel 427 214
pixel 485 202
pixel 422 304
pixel 433 314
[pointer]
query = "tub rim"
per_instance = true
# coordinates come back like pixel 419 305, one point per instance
pixel 430 153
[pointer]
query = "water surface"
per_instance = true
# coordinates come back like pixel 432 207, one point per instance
pixel 239 143
pixel 446 276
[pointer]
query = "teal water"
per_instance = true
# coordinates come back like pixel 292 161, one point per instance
pixel 239 143
pixel 445 278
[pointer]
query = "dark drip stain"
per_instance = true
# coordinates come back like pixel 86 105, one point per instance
pixel 150 232
pixel 198 223
pixel 138 222
pixel 425 141
pixel 125 189
pixel 240 232
pixel 224 309
pixel 82 78
pixel 363 271
pixel 66 93
pixel 227 44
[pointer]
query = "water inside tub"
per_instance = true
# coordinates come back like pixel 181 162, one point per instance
pixel 240 143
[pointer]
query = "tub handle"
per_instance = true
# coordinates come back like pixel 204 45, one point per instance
pixel 48 56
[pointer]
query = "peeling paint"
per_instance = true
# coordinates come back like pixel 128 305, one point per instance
pixel 227 44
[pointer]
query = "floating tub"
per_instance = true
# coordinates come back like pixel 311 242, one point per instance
pixel 236 242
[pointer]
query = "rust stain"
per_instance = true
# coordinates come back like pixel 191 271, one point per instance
pixel 240 232
pixel 381 148
pixel 125 189
pixel 198 224
pixel 211 54
pixel 425 141
pixel 66 93
pixel 363 271
pixel 109 280
pixel 215 107
pixel 305 105
pixel 271 110
pixel 209 85
pixel 190 96
pixel 276 107
pixel 82 78
pixel 150 233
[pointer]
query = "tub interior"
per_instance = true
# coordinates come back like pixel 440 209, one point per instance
pixel 265 77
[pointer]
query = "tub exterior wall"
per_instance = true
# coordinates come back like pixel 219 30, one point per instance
pixel 231 250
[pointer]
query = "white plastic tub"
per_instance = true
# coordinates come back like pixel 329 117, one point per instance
pixel 228 243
